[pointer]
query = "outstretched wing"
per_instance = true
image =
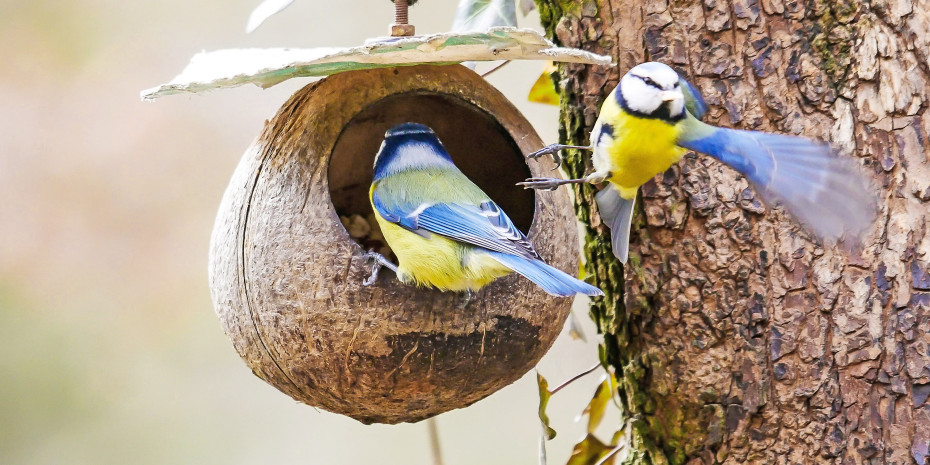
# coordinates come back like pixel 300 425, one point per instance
pixel 824 192
pixel 484 225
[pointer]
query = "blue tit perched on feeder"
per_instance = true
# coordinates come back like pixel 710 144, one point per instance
pixel 652 118
pixel 446 232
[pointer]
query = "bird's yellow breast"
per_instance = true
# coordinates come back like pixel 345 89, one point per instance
pixel 639 149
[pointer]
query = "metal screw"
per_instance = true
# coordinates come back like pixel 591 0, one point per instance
pixel 400 28
pixel 400 11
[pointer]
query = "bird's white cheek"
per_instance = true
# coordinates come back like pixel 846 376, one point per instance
pixel 639 97
pixel 676 106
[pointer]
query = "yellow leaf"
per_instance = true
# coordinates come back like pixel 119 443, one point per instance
pixel 544 396
pixel 588 452
pixel 574 327
pixel 543 91
pixel 598 404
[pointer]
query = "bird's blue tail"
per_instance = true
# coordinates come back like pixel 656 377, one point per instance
pixel 823 191
pixel 552 280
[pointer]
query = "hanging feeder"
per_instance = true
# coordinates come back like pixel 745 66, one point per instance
pixel 286 277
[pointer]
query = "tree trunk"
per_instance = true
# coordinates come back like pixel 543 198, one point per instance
pixel 738 339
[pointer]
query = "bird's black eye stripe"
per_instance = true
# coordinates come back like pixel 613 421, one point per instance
pixel 649 82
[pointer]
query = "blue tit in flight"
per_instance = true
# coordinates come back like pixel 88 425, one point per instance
pixel 652 118
pixel 446 232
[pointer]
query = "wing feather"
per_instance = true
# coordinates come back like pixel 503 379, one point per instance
pixel 484 225
pixel 822 190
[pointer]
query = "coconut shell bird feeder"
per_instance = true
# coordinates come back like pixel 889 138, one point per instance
pixel 285 273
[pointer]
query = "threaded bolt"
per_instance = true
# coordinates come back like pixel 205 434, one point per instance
pixel 400 11
pixel 400 28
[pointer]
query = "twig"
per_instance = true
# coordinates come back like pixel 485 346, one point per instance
pixel 610 454
pixel 575 378
pixel 434 440
pixel 501 65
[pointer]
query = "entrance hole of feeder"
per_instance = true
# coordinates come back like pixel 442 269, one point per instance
pixel 479 146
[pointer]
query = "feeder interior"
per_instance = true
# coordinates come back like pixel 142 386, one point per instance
pixel 478 144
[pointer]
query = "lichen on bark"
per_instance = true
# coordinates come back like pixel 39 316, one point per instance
pixel 736 338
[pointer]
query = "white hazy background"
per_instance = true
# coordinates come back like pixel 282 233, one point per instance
pixel 111 352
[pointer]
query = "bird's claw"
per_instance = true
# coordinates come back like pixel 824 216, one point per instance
pixel 552 149
pixel 375 269
pixel 379 262
pixel 469 295
pixel 544 184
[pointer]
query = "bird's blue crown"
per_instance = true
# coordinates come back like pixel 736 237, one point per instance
pixel 410 146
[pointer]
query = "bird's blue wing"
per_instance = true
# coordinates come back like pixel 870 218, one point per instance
pixel 387 210
pixel 488 227
pixel 694 103
pixel 551 279
pixel 484 225
pixel 824 192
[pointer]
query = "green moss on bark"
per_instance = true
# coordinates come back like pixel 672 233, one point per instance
pixel 833 38
pixel 664 431
pixel 609 313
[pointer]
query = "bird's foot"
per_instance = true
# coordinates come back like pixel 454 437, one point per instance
pixel 469 294
pixel 379 262
pixel 548 184
pixel 553 149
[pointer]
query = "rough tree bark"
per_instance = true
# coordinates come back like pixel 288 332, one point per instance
pixel 738 339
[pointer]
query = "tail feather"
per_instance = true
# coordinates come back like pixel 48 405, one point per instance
pixel 824 192
pixel 617 212
pixel 550 279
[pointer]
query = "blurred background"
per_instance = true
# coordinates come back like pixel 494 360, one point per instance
pixel 111 351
